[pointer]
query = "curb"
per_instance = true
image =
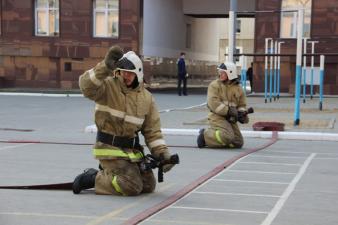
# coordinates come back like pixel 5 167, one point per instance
pixel 305 136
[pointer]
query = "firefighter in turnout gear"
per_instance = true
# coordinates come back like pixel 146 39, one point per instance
pixel 123 109
pixel 227 104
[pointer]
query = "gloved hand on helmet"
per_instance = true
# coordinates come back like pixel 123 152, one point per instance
pixel 114 54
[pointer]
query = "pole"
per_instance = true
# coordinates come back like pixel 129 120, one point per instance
pixel 321 81
pixel 304 69
pixel 312 66
pixel 232 30
pixel 244 74
pixel 266 71
pixel 278 68
pixel 275 72
pixel 298 65
pixel 271 69
pixel 242 71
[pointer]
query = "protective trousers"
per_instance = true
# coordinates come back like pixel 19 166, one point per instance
pixel 223 134
pixel 122 177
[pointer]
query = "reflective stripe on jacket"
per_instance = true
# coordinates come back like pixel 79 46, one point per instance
pixel 117 153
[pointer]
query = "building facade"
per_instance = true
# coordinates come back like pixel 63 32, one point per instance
pixel 320 24
pixel 49 43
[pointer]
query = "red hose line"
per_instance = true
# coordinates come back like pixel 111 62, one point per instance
pixel 190 187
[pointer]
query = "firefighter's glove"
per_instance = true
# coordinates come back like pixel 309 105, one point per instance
pixel 114 54
pixel 167 167
pixel 243 117
pixel 232 115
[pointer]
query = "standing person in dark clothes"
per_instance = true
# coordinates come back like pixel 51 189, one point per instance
pixel 249 75
pixel 182 75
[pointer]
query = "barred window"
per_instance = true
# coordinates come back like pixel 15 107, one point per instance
pixel 106 18
pixel 47 17
pixel 288 26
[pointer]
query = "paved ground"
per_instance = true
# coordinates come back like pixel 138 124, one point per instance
pixel 288 183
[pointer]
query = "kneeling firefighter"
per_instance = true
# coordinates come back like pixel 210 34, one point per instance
pixel 227 104
pixel 123 109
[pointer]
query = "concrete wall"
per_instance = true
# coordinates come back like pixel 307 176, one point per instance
pixel 205 40
pixel 163 28
pixel 164 32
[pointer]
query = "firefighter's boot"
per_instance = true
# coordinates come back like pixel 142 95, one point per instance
pixel 200 139
pixel 84 181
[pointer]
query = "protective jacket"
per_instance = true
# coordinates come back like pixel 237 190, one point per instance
pixel 123 112
pixel 221 96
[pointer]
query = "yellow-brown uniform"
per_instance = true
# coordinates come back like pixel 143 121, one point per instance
pixel 221 133
pixel 123 112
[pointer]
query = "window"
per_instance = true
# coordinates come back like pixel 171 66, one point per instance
pixel 47 17
pixel 68 66
pixel 238 26
pixel 106 18
pixel 288 24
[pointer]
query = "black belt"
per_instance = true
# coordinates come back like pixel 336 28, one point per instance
pixel 118 141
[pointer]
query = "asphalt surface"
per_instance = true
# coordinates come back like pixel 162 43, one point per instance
pixel 290 182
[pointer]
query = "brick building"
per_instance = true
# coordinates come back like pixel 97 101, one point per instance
pixel 48 43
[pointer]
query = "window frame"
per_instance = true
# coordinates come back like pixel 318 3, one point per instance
pixel 47 20
pixel 106 11
pixel 293 34
pixel 238 26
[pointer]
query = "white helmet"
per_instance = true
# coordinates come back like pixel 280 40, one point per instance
pixel 132 63
pixel 230 68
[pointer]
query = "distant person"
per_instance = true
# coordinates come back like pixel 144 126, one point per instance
pixel 227 104
pixel 249 76
pixel 182 75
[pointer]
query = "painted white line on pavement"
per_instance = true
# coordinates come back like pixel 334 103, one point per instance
pixel 113 214
pixel 15 146
pixel 191 192
pixel 307 153
pixel 258 171
pixel 277 156
pixel 234 194
pixel 277 164
pixel 306 136
pixel 39 94
pixel 47 215
pixel 327 158
pixel 220 210
pixel 278 206
pixel 250 181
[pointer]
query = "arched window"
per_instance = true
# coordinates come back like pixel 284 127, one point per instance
pixel 106 18
pixel 288 24
pixel 47 17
